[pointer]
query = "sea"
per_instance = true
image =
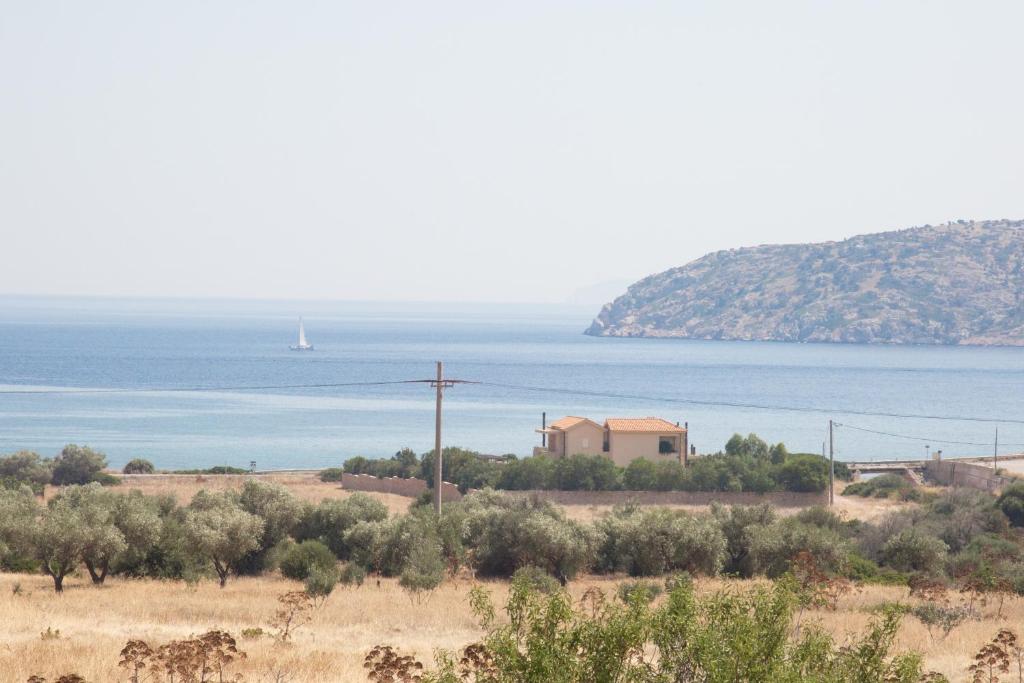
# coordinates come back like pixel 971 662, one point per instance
pixel 190 384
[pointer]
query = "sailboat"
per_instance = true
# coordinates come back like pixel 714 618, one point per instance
pixel 303 345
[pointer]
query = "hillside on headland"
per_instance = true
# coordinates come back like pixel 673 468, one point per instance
pixel 958 283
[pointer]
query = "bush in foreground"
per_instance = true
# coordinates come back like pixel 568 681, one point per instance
pixel 742 636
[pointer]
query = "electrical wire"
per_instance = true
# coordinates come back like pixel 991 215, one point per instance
pixel 560 391
pixel 116 390
pixel 921 438
pixel 753 406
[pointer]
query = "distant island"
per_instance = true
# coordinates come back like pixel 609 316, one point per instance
pixel 957 283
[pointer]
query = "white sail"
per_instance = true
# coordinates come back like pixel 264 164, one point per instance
pixel 303 345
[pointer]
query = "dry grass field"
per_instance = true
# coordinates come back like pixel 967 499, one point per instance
pixel 307 486
pixel 94 624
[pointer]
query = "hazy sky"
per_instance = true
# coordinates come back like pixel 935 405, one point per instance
pixel 481 150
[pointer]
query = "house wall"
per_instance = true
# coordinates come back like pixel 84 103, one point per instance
pixel 585 439
pixel 625 447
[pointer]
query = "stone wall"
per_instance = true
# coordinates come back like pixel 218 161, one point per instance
pixel 778 499
pixel 952 473
pixel 411 488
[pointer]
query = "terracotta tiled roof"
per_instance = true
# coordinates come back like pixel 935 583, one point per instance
pixel 567 422
pixel 641 424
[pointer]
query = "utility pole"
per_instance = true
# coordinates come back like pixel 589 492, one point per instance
pixel 831 468
pixel 440 384
pixel 995 452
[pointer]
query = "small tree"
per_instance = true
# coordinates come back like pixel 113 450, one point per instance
pixel 139 466
pixel 77 465
pixel 424 571
pixel 26 467
pixel 221 531
pixel 302 559
pixel 57 536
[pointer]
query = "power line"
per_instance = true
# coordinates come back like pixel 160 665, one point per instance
pixel 921 438
pixel 550 390
pixel 754 406
pixel 116 390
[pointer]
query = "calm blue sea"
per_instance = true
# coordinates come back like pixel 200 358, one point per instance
pixel 153 345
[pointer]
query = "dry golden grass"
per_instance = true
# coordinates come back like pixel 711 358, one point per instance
pixel 851 507
pixel 94 624
pixel 307 486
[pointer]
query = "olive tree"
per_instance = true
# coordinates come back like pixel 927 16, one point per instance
pixel 57 536
pixel 77 465
pixel 219 530
pixel 275 505
pixel 115 526
pixel 329 521
pixel 27 467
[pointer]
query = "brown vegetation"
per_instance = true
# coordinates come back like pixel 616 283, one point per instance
pixel 96 622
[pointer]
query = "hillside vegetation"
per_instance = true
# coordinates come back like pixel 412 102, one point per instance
pixel 959 283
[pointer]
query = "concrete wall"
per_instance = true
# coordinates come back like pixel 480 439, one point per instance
pixel 951 473
pixel 778 499
pixel 410 488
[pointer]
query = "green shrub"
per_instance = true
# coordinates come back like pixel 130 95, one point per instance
pixel 329 521
pixel 77 465
pixel 216 469
pixel 654 541
pixel 724 637
pixel 861 569
pixel 740 524
pixel 300 560
pixel 25 467
pixel 884 486
pixel 537 579
pixel 352 575
pixel 774 547
pixel 320 582
pixel 644 591
pixel 424 570
pixel 332 474
pixel 105 479
pixel 914 550
pixel 1011 503
pixel 803 473
pixel 507 533
pixel 138 466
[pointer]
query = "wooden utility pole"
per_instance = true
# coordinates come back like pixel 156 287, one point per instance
pixel 995 452
pixel 440 384
pixel 831 468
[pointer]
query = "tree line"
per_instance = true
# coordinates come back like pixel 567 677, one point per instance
pixel 262 527
pixel 746 464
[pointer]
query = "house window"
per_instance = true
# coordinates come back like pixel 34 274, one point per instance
pixel 666 444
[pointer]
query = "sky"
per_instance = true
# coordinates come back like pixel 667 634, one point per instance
pixel 481 151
